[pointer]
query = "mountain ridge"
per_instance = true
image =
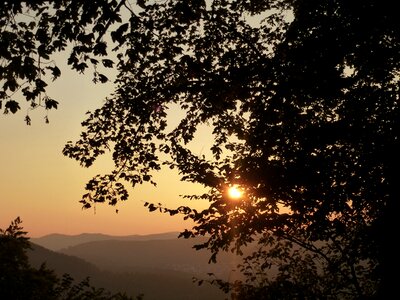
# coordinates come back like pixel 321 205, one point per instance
pixel 169 254
pixel 58 241
pixel 155 284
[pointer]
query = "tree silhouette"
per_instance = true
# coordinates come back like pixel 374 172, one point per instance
pixel 17 279
pixel 303 99
pixel 20 281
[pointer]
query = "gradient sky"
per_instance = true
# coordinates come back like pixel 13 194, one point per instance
pixel 43 187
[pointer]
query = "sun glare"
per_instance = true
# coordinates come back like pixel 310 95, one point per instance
pixel 234 192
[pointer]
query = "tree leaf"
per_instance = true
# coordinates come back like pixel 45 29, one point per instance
pixel 12 106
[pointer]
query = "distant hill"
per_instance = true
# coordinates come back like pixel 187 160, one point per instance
pixel 155 284
pixel 61 263
pixel 57 241
pixel 163 255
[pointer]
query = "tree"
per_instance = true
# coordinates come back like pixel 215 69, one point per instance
pixel 17 279
pixel 20 281
pixel 303 99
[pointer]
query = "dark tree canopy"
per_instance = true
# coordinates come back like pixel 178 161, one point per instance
pixel 20 281
pixel 303 100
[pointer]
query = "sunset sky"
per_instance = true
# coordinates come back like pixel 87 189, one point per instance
pixel 44 187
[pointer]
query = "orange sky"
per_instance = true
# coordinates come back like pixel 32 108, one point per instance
pixel 43 187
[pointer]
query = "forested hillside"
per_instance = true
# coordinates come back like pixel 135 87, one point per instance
pixel 153 283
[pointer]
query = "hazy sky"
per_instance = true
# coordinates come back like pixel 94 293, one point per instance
pixel 44 187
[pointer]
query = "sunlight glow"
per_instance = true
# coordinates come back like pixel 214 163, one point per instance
pixel 235 192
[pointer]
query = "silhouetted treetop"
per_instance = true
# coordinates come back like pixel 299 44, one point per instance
pixel 20 281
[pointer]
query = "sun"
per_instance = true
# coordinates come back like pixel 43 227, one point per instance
pixel 234 192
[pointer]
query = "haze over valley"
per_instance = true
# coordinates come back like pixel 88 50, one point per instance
pixel 159 266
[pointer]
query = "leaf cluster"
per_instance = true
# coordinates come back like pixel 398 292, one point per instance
pixel 33 32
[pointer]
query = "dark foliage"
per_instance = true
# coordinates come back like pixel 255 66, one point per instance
pixel 20 281
pixel 17 279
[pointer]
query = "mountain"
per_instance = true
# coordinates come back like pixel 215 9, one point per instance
pixel 61 263
pixel 57 241
pixel 162 255
pixel 155 284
